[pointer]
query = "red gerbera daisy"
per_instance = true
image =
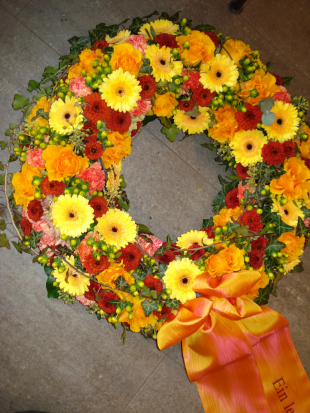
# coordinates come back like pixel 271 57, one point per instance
pixel 167 40
pixel 119 121
pixel 195 255
pixel 91 130
pixel 94 266
pixel 164 313
pixel 96 108
pixel 153 284
pixel 35 210
pixel 100 44
pixel 203 97
pixel 174 248
pixel 231 199
pixel 259 244
pixel 54 188
pixel 209 231
pixel 252 219
pixel 92 290
pixel 148 85
pixel 213 37
pixel 289 149
pixel 99 206
pixel 135 131
pixel 186 105
pixel 242 171
pixel 167 257
pixel 249 119
pixel 193 80
pixel 131 256
pixel 105 305
pixel 279 80
pixel 273 153
pixel 26 226
pixel 93 150
pixel 256 259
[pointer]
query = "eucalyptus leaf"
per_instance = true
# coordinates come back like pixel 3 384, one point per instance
pixel 268 118
pixel 266 104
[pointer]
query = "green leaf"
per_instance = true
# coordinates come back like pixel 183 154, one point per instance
pixel 268 118
pixel 242 230
pixel 274 246
pixel 122 183
pixel 174 304
pixel 17 246
pixel 19 102
pixel 8 132
pixel 143 229
pixel 118 303
pixel 4 241
pixel 52 292
pixel 123 204
pixel 263 297
pixel 12 158
pixel 234 177
pixel 1 166
pixel 77 43
pixel 149 307
pixel 193 113
pixel 164 121
pixel 32 85
pixel 266 104
pixel 137 22
pixel 48 270
pixel 218 202
pixel 298 268
pixel 3 144
pixel 301 228
pixel 280 225
pixel 148 119
pixel 42 114
pixel 153 32
pixel 145 289
pixel 207 223
pixel 151 293
pixel 171 132
pixel 2 224
pixel 205 27
pixel 286 80
pixel 306 211
pixel 121 282
pixel 154 13
pixel 2 176
pixel 172 87
pixel 269 66
pixel 12 126
pixel 173 18
pixel 210 146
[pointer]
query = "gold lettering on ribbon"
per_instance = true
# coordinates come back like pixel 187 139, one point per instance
pixel 280 388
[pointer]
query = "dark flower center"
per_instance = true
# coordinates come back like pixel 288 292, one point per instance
pixel 67 116
pixel 93 150
pixel 120 91
pixel 286 212
pixel 98 207
pixel 185 280
pixel 130 257
pixel 146 87
pixel 193 117
pixel 162 62
pixel 114 229
pixel 96 107
pixel 249 146
pixel 71 215
pixel 279 121
pixel 52 185
pixel 218 74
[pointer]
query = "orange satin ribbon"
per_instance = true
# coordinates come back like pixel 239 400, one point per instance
pixel 240 355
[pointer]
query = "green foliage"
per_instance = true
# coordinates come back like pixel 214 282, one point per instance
pixel 122 183
pixel 32 85
pixel 173 18
pixel 286 80
pixel 123 204
pixel 3 144
pixel 171 132
pixel 120 282
pixel 19 102
pixel 174 304
pixel 210 146
pixel 263 297
pixel 227 186
pixel 306 211
pixel 2 177
pixel 151 294
pixel 2 224
pixel 274 246
pixel 266 104
pixel 280 225
pixel 301 228
pixel 205 27
pixel 268 118
pixel 148 119
pixel 77 44
pixel 18 247
pixel 4 241
pixel 143 229
pixel 146 67
pixel 52 291
pixel 207 223
pixel 1 166
pixel 242 230
pixel 299 268
pixel 149 307
pixel 218 202
pixel 118 303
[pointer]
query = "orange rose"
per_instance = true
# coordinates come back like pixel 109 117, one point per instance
pixel 62 161
pixel 225 215
pixel 87 57
pixel 226 125
pixel 294 245
pixel 164 104
pixel 126 57
pixel 226 261
pixel 201 48
pixel 236 49
pixel 112 273
pixel 22 182
pixel 263 82
pixel 42 103
pixel 120 150
pixel 139 319
pixel 75 71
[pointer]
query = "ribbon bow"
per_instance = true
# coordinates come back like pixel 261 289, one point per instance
pixel 237 352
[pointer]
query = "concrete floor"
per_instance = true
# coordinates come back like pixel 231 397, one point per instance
pixel 57 358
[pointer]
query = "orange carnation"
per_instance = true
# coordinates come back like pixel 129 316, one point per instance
pixel 75 71
pixel 164 104
pixel 294 245
pixel 236 50
pixel 225 215
pixel 22 182
pixel 126 57
pixel 87 57
pixel 120 150
pixel 201 48
pixel 226 125
pixel 264 83
pixel 62 162
pixel 42 103
pixel 112 273
pixel 139 319
pixel 228 260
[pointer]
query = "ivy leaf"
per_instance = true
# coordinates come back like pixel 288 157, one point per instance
pixel 77 43
pixel 143 229
pixel 301 229
pixel 19 102
pixel 148 119
pixel 298 268
pixel 172 87
pixel 218 202
pixel 32 85
pixel 4 241
pixel 268 118
pixel 48 270
pixel 52 292
pixel 193 113
pixel 206 27
pixel 151 293
pixel 274 246
pixel 306 211
pixel 174 304
pixel 17 246
pixel 1 166
pixel 171 132
pixel 145 289
pixel 280 225
pixel 149 307
pixel 123 204
pixel 3 144
pixel 121 282
pixel 207 223
pixel 2 224
pixel 227 186
pixel 269 66
pixel 210 146
pixel 12 158
pixel 137 22
pixel 263 297
pixel 286 80
pixel 2 176
pixel 242 230
pixel 164 121
pixel 118 303
pixel 8 132
pixel 12 126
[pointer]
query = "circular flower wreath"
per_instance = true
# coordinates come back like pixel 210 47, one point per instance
pixel 77 129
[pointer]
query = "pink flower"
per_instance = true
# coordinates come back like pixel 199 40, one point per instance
pixel 143 106
pixel 95 176
pixel 307 222
pixel 34 158
pixel 78 86
pixel 283 95
pixel 242 189
pixel 147 246
pixel 138 41
pixel 84 250
pixel 83 300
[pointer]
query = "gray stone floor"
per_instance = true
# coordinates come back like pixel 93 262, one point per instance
pixel 57 358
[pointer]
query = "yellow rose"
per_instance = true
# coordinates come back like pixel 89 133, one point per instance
pixel 126 57
pixel 112 273
pixel 263 82
pixel 294 245
pixel 120 150
pixel 201 48
pixel 236 49
pixel 75 71
pixel 22 182
pixel 228 260
pixel 304 146
pixel 164 104
pixel 42 103
pixel 139 319
pixel 87 57
pixel 61 162
pixel 226 125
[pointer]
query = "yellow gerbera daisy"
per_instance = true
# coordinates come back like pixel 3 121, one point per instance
pixel 180 277
pixel 71 282
pixel 120 37
pixel 160 60
pixel 72 215
pixel 221 71
pixel 192 124
pixel 190 238
pixel 117 228
pixel 159 26
pixel 247 146
pixel 66 115
pixel 289 212
pixel 286 123
pixel 121 90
